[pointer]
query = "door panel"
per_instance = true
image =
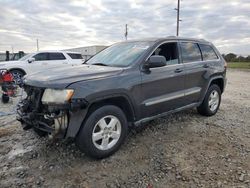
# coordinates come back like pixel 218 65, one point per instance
pixel 195 70
pixel 38 64
pixel 162 89
pixel 195 80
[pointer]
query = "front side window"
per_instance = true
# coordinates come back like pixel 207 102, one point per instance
pixel 56 56
pixel 41 57
pixel 75 56
pixel 169 51
pixel 120 55
pixel 207 52
pixel 26 57
pixel 190 52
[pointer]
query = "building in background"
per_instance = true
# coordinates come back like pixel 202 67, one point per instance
pixel 88 51
pixel 2 56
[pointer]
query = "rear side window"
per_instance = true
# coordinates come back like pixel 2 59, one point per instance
pixel 41 57
pixel 190 52
pixel 208 52
pixel 75 56
pixel 56 56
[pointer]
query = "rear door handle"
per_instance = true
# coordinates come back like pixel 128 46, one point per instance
pixel 178 70
pixel 206 66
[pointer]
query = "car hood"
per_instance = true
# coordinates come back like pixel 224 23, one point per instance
pixel 4 64
pixel 62 77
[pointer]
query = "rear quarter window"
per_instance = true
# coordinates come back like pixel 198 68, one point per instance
pixel 190 52
pixel 56 56
pixel 75 56
pixel 208 52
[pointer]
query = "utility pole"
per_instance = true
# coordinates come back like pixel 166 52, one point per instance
pixel 178 18
pixel 37 45
pixel 12 48
pixel 126 32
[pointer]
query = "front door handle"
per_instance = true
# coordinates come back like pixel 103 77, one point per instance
pixel 178 70
pixel 206 66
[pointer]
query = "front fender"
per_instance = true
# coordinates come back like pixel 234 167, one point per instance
pixel 75 123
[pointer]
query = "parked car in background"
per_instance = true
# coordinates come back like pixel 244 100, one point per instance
pixel 38 61
pixel 128 83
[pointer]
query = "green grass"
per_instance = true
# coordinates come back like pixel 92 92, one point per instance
pixel 239 65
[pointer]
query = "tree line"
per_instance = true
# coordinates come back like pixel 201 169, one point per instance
pixel 231 57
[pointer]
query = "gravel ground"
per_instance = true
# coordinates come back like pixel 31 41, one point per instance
pixel 180 150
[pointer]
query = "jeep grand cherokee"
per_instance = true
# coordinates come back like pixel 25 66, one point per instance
pixel 128 83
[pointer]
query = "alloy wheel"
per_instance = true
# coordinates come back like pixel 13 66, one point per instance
pixel 106 132
pixel 213 101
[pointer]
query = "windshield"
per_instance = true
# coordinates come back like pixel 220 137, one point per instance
pixel 26 57
pixel 120 55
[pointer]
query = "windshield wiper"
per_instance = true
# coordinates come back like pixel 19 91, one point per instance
pixel 101 64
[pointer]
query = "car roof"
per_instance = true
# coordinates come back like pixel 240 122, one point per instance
pixel 51 51
pixel 169 38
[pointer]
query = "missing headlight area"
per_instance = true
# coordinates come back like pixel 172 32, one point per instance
pixel 44 119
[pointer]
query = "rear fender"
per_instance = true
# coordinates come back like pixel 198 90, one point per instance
pixel 207 87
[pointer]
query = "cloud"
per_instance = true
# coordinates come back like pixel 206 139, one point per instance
pixel 65 24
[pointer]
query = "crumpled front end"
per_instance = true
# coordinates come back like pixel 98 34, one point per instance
pixel 51 119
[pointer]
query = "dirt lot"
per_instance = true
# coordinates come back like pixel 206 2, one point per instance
pixel 181 150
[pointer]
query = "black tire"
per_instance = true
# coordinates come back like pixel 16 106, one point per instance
pixel 5 98
pixel 84 137
pixel 17 75
pixel 204 109
pixel 40 132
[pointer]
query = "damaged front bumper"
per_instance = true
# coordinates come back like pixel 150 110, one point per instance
pixel 59 121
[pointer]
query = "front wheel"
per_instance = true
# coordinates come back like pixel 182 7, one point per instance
pixel 17 75
pixel 103 132
pixel 211 102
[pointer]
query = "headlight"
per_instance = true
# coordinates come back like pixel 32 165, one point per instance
pixel 57 96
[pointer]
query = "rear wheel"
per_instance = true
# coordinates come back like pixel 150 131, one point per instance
pixel 211 102
pixel 103 132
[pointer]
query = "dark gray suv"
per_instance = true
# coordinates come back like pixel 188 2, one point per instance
pixel 128 83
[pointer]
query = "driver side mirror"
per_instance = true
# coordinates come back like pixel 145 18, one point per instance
pixel 156 61
pixel 30 60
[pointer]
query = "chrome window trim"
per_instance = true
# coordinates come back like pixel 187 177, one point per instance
pixel 179 53
pixel 179 64
pixel 201 61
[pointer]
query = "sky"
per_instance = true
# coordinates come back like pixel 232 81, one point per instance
pixel 63 24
